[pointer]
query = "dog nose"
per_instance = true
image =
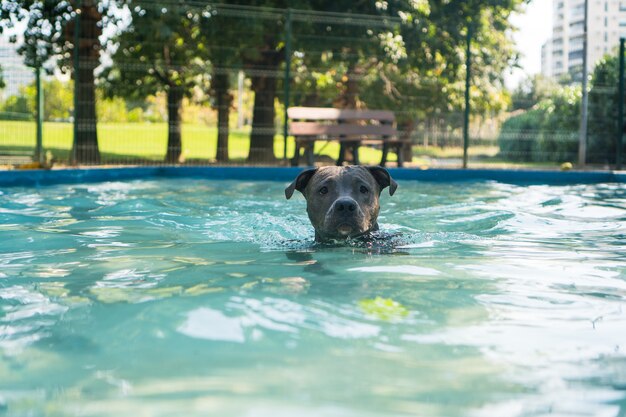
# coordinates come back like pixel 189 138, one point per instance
pixel 345 205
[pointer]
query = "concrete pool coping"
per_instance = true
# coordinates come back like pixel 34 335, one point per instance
pixel 88 175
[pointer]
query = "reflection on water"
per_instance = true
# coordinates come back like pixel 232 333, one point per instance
pixel 193 297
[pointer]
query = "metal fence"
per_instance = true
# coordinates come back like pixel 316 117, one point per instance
pixel 195 83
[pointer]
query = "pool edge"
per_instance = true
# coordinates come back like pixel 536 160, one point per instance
pixel 89 175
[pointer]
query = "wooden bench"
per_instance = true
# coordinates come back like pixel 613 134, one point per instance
pixel 351 128
pixel 15 158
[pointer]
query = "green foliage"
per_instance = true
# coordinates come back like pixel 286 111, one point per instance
pixel 153 53
pixel 546 132
pixel 58 100
pixel 414 65
pixel 44 35
pixel 603 104
pixel 135 115
pixel 430 80
pixel 2 84
pixel 17 107
pixel 531 91
pixel 516 139
pixel 111 110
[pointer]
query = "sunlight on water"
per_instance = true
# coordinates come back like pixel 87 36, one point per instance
pixel 196 297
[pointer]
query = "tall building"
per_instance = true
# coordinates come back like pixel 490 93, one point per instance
pixel 563 52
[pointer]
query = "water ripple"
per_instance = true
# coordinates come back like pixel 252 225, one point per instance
pixel 203 297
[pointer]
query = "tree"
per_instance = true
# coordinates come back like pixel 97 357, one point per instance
pixel 549 129
pixel 57 105
pixel 16 107
pixel 50 35
pixel 262 58
pixel 2 84
pixel 531 91
pixel 220 90
pixel 414 64
pixel 603 104
pixel 58 99
pixel 435 43
pixel 220 33
pixel 547 132
pixel 153 54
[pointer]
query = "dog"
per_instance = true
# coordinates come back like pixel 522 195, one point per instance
pixel 342 202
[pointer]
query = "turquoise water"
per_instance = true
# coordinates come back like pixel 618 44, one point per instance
pixel 196 298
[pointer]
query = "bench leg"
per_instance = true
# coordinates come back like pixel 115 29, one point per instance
pixel 399 152
pixel 383 160
pixel 342 154
pixel 355 154
pixel 296 155
pixel 310 156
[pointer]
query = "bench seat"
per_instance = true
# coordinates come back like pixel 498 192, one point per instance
pixel 351 128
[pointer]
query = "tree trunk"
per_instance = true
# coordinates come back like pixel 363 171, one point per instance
pixel 405 130
pixel 264 87
pixel 85 146
pixel 174 143
pixel 349 97
pixel 262 136
pixel 223 102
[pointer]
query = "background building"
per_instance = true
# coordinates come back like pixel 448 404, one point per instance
pixel 563 52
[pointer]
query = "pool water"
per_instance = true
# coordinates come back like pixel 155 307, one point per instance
pixel 191 297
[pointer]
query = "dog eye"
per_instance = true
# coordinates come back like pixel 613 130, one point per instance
pixel 364 189
pixel 323 190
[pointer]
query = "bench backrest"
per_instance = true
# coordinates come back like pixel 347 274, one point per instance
pixel 322 121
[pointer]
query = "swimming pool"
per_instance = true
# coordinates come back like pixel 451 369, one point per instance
pixel 171 297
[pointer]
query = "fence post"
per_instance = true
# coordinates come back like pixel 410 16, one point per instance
pixel 620 107
pixel 466 115
pixel 76 76
pixel 287 80
pixel 39 157
pixel 582 140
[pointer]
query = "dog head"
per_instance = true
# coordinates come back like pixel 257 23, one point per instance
pixel 342 202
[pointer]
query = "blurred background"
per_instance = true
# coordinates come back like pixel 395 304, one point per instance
pixel 190 82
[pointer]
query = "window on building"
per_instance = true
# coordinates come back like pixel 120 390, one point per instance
pixel 578 10
pixel 576 26
pixel 575 55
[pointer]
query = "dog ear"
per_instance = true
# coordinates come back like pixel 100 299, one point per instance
pixel 382 177
pixel 300 182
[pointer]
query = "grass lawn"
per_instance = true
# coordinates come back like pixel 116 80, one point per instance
pixel 138 142
pixel 120 142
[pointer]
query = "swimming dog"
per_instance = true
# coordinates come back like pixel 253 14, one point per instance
pixel 342 202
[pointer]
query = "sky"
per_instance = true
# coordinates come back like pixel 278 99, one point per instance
pixel 535 27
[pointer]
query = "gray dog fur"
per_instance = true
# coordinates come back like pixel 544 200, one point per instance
pixel 342 202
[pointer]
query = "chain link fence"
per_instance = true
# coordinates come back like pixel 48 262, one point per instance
pixel 195 83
